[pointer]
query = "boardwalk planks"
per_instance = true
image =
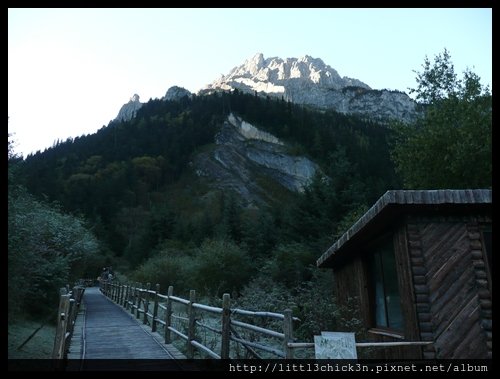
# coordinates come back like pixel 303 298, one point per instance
pixel 112 333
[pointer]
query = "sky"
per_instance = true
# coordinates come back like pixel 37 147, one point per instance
pixel 70 70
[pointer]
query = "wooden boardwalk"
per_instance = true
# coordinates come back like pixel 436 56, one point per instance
pixel 105 331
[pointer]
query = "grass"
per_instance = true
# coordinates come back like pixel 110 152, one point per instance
pixel 38 347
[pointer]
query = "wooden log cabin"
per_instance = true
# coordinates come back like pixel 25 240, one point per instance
pixel 418 265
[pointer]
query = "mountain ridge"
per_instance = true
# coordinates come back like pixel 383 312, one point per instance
pixel 309 81
pixel 305 81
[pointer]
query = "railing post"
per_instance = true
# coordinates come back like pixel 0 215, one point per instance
pixel 146 304
pixel 119 293
pixel 75 301
pixel 226 326
pixel 288 332
pixel 79 294
pixel 122 294
pixel 125 297
pixel 62 316
pixel 132 293
pixel 168 314
pixel 155 308
pixel 191 324
pixel 71 314
pixel 139 299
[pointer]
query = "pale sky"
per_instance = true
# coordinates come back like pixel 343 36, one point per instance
pixel 70 70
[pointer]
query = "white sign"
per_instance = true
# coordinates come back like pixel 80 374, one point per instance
pixel 335 345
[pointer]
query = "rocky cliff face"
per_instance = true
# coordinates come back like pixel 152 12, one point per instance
pixel 244 157
pixel 128 110
pixel 176 93
pixel 310 81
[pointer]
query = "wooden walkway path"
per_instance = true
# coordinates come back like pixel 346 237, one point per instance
pixel 104 330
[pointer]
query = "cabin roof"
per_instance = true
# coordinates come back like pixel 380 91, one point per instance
pixel 395 203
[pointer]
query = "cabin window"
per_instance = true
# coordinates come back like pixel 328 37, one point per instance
pixel 385 289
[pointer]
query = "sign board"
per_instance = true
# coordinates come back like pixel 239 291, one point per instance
pixel 335 345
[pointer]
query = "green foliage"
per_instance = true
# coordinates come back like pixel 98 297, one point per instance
pixel 317 309
pixel 349 220
pixel 170 267
pixel 437 81
pixel 450 146
pixel 314 218
pixel 230 224
pixel 290 264
pixel 220 266
pixel 259 233
pixel 262 293
pixel 215 267
pixel 47 249
pixel 313 302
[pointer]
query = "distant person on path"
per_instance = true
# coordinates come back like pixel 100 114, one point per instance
pixel 105 274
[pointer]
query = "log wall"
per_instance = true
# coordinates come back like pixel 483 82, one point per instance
pixel 449 276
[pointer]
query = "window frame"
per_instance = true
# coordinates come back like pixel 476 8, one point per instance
pixel 388 240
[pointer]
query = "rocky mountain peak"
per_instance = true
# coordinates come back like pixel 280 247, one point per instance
pixel 307 80
pixel 176 93
pixel 129 110
pixel 277 71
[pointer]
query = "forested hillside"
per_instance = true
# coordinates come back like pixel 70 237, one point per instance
pixel 133 179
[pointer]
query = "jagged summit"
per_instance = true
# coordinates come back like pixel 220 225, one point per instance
pixel 308 80
pixel 272 75
pixel 128 110
pixel 305 80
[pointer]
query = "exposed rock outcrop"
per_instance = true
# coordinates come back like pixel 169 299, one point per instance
pixel 243 155
pixel 176 93
pixel 129 110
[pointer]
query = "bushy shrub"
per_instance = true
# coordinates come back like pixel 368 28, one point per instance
pixel 317 309
pixel 44 244
pixel 221 266
pixel 170 267
pixel 290 264
pixel 262 293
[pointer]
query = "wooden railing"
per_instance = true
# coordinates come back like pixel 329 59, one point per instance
pixel 146 303
pixel 157 309
pixel 69 304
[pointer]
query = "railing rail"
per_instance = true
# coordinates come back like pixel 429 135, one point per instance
pixel 156 309
pixel 143 301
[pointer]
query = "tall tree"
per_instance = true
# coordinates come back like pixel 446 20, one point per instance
pixel 449 146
